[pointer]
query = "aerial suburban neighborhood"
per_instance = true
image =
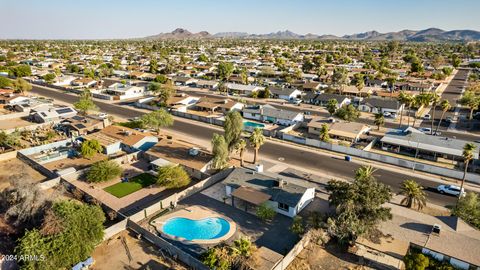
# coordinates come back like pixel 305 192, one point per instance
pixel 239 150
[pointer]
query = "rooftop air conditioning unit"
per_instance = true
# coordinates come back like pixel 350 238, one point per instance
pixel 436 228
pixel 193 151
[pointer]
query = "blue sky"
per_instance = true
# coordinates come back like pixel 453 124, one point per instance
pixel 95 19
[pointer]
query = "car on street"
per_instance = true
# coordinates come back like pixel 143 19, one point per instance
pixel 425 130
pixel 451 190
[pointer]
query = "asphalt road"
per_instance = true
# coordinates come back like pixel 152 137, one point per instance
pixel 288 154
pixel 456 85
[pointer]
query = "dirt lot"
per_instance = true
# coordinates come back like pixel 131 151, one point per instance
pixel 316 257
pixel 115 254
pixel 14 166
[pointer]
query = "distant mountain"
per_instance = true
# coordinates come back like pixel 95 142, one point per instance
pixel 430 34
pixel 181 33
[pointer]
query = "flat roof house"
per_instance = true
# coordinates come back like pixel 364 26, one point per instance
pixel 280 116
pixel 116 138
pixel 212 85
pixel 169 151
pixel 410 140
pixel 322 99
pixel 45 114
pixel 184 80
pixel 125 91
pixel 248 187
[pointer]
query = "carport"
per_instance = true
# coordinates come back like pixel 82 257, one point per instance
pixel 250 196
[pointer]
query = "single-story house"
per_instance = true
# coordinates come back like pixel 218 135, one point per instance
pixel 223 105
pixel 47 114
pixel 322 99
pixel 347 131
pixel 254 189
pixel 285 93
pixel 415 143
pixel 168 151
pixel 380 105
pixel 84 82
pixel 311 86
pixel 268 113
pixel 243 89
pixel 116 138
pixel 184 80
pixel 82 125
pixel 212 85
pixel 65 80
pixel 125 91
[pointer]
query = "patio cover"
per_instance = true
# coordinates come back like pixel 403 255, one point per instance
pixel 250 195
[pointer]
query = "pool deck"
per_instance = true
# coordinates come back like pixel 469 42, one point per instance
pixel 194 213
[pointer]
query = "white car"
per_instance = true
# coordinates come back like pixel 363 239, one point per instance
pixel 451 190
pixel 102 115
pixel 425 130
pixel 427 117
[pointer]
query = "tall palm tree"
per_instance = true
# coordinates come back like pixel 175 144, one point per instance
pixel 324 137
pixel 435 99
pixel 467 154
pixel 256 140
pixel 409 100
pixel 364 172
pixel 414 194
pixel 403 99
pixel 379 120
pixel 445 105
pixel 241 147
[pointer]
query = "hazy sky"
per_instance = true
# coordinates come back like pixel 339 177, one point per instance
pixel 95 19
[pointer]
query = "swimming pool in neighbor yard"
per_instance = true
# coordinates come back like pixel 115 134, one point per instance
pixel 249 124
pixel 201 229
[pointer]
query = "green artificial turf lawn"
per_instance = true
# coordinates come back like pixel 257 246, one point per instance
pixel 136 183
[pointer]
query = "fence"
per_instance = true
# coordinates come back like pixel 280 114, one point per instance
pixel 474 178
pixel 173 199
pixel 114 229
pixel 49 183
pixel 32 127
pixel 170 249
pixel 210 120
pixel 292 254
pixel 14 115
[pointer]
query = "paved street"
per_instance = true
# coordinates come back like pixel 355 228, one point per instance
pixel 283 152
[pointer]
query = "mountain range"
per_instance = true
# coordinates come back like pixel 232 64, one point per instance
pixel 430 34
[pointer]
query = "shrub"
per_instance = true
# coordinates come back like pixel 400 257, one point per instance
pixel 173 176
pixel 265 212
pixel 104 170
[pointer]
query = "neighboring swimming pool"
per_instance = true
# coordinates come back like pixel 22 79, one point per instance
pixel 202 229
pixel 249 124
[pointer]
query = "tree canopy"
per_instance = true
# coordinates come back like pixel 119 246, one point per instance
pixel 79 228
pixel 220 152
pixel 85 104
pixel 157 120
pixel 359 205
pixel 173 176
pixel 233 129
pixel 103 171
pixel 90 147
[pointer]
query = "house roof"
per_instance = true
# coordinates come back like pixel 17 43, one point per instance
pixel 271 111
pixel 326 97
pixel 426 142
pixel 243 87
pixel 339 128
pixel 251 195
pixel 178 152
pixel 282 91
pixel 381 103
pixel 289 193
pixel 126 135
pixel 211 103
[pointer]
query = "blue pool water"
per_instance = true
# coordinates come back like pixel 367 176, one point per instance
pixel 253 124
pixel 208 228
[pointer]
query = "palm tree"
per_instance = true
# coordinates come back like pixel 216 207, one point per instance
pixel 467 156
pixel 409 103
pixel 403 99
pixel 324 137
pixel 243 247
pixel 379 120
pixel 241 147
pixel 435 99
pixel 364 173
pixel 445 105
pixel 257 140
pixel 414 194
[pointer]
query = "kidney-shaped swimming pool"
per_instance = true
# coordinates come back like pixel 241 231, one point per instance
pixel 202 229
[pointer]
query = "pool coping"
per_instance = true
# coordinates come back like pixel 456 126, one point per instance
pixel 188 210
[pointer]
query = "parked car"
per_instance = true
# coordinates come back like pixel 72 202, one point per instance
pixel 427 117
pixel 449 119
pixel 102 115
pixel 387 114
pixel 451 190
pixel 425 130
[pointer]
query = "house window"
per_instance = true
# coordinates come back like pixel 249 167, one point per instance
pixel 283 206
